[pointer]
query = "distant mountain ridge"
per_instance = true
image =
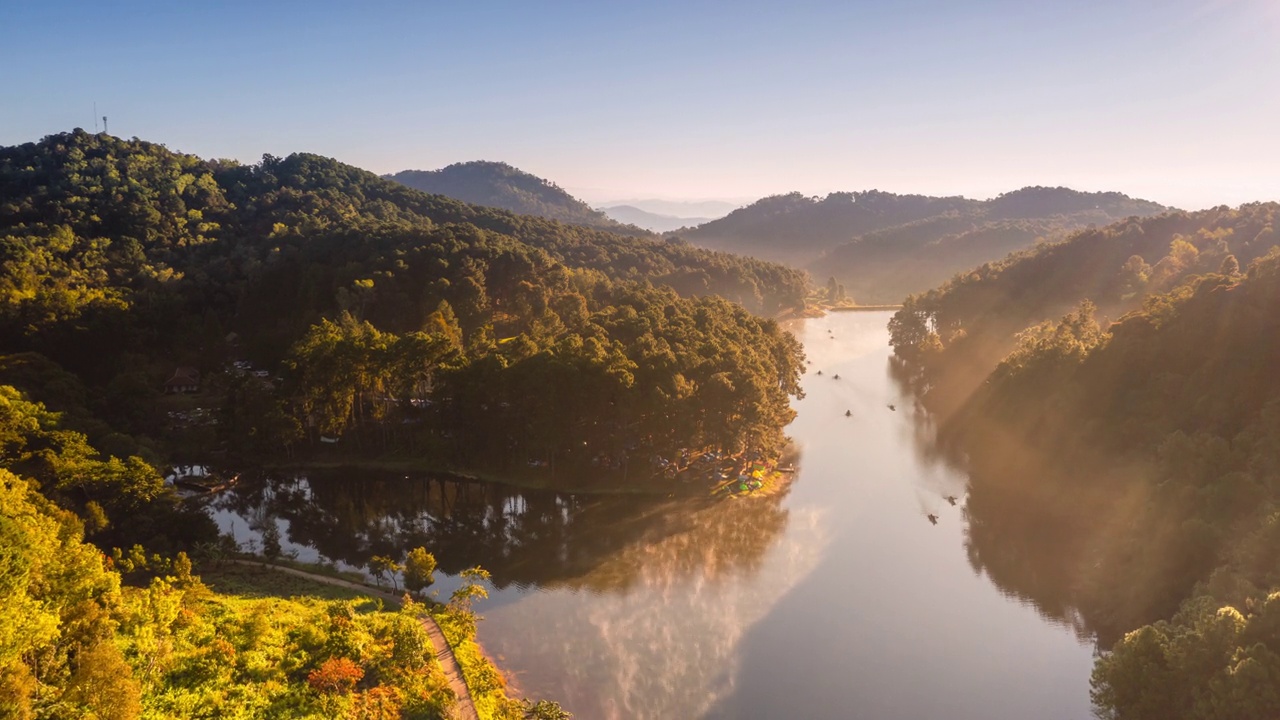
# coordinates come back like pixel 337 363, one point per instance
pixel 656 222
pixel 884 246
pixel 888 264
pixel 796 228
pixel 710 209
pixel 499 185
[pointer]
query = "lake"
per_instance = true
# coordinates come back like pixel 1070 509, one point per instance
pixel 840 598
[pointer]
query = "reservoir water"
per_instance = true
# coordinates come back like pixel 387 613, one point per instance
pixel 840 598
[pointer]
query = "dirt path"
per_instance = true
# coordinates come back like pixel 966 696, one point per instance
pixel 464 709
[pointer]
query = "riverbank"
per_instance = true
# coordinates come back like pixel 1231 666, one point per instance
pixel 691 479
pixel 767 484
pixel 864 308
pixel 535 479
pixel 817 310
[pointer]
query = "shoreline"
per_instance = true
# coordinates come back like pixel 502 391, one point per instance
pixel 410 465
pixel 517 479
pixel 863 308
pixel 699 485
pixel 820 310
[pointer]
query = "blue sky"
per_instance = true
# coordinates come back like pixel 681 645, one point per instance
pixel 1174 100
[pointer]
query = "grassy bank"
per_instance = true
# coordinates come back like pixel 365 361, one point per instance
pixel 251 581
pixel 233 582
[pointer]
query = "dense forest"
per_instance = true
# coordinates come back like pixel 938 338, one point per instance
pixel 1146 447
pixel 498 185
pixel 392 319
pixel 883 247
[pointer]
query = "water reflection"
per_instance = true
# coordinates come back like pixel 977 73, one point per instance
pixel 522 537
pixel 616 606
pixel 667 646
pixel 1024 541
pixel 1028 556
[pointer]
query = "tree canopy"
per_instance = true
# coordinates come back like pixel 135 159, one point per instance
pixel 377 306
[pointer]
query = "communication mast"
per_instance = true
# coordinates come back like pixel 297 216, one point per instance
pixel 104 125
pixel 95 117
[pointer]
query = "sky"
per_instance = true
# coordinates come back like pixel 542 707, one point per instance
pixel 1176 101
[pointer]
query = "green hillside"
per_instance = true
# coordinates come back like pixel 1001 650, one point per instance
pixel 498 185
pixel 125 260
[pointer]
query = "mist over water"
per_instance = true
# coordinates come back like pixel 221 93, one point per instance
pixel 839 598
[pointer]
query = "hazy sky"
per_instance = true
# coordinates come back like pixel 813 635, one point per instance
pixel 1174 100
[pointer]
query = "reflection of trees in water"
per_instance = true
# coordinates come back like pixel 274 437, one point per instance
pixel 718 539
pixel 1028 540
pixel 1029 552
pixel 662 640
pixel 521 536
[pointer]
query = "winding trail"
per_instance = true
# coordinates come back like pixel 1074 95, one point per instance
pixel 464 708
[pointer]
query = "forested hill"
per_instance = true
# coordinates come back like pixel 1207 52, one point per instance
pixel 166 204
pixel 882 246
pixel 1116 268
pixel 123 259
pixel 760 286
pixel 796 228
pixel 1146 447
pixel 498 185
pixel 889 264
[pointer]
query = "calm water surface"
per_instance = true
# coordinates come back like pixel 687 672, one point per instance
pixel 838 599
